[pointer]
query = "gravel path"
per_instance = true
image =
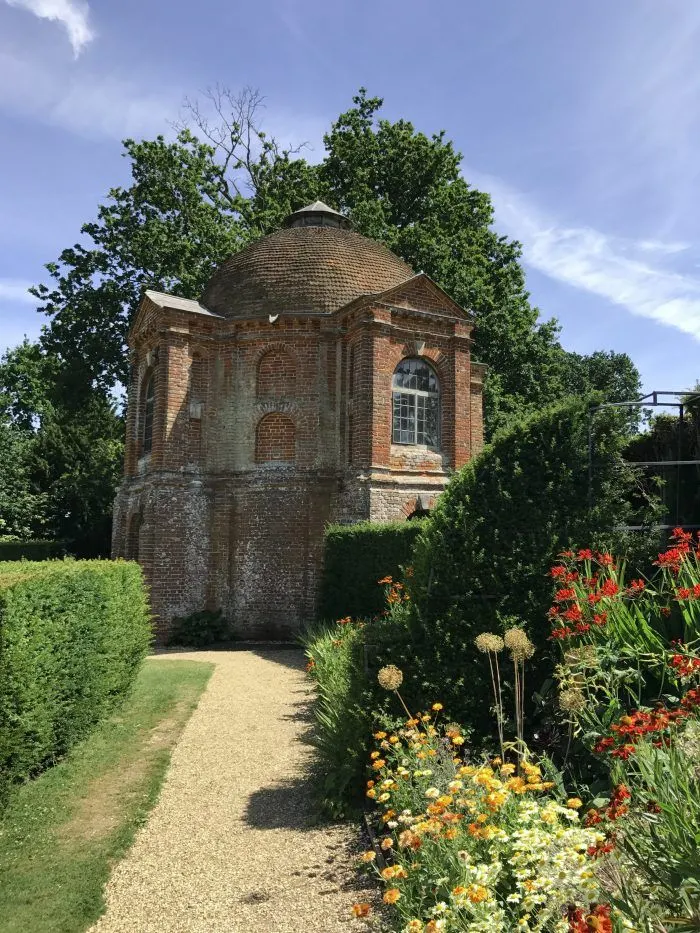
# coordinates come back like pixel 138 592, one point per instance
pixel 230 844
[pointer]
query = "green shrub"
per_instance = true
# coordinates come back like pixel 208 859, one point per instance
pixel 31 550
pixel 341 714
pixel 199 629
pixel 483 557
pixel 72 636
pixel 355 558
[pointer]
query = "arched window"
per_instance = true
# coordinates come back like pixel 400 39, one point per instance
pixel 416 404
pixel 149 394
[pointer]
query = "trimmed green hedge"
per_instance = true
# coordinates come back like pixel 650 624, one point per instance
pixel 355 558
pixel 31 550
pixel 72 636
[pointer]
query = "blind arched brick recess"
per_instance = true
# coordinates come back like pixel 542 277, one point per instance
pixel 275 439
pixel 277 374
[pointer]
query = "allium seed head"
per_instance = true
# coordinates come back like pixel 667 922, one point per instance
pixel 572 700
pixel 390 677
pixel 519 645
pixel 489 642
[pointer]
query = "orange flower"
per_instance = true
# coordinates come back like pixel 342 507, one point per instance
pixel 361 910
pixel 477 893
pixel 391 896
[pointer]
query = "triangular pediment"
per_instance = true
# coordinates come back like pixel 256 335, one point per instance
pixel 421 293
pixel 418 293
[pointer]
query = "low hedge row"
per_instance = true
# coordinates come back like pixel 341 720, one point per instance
pixel 72 636
pixel 31 550
pixel 355 558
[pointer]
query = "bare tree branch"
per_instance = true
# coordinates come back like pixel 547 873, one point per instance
pixel 231 123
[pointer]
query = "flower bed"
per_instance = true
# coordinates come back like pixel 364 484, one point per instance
pixel 474 847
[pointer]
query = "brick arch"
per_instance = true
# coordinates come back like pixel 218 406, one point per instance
pixel 418 505
pixel 133 535
pixel 275 439
pixel 276 373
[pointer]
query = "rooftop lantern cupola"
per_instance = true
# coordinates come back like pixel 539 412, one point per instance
pixel 318 214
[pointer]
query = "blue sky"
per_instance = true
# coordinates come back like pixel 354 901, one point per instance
pixel 581 119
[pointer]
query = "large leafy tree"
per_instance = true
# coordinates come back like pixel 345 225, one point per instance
pixel 61 455
pixel 194 201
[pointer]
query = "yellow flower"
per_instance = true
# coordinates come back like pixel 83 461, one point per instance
pixel 394 739
pixel 437 707
pixel 477 893
pixel 459 891
pixel 371 793
pixel 445 800
pixel 451 833
pixel 414 926
pixel 432 792
pixel 391 896
pixel 574 803
pixel 361 910
pixel 378 764
pixel 458 740
pixel 384 797
pixel 388 872
pixel 387 842
pixel 368 856
pixel 507 769
pixel 374 755
pixel 495 800
pixel 380 735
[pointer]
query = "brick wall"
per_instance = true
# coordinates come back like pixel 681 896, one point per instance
pixel 275 439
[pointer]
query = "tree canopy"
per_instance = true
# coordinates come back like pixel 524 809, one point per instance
pixel 195 200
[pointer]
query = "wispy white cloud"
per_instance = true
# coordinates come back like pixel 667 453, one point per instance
pixel 634 274
pixel 73 15
pixel 15 290
pixel 83 101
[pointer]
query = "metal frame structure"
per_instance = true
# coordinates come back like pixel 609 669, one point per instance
pixel 649 401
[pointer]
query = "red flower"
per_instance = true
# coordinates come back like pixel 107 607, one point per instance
pixel 635 587
pixel 573 614
pixel 594 598
pixel 600 618
pixel 606 560
pixel 609 588
pixel 563 632
pixel 558 571
pixel 582 628
pixel 585 554
pixel 681 535
pixel 562 595
pixel 683 593
pixel 624 752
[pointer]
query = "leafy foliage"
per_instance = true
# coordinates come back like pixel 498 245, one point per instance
pixel 200 629
pixel 30 550
pixel 72 637
pixel 64 454
pixel 355 558
pixel 341 714
pixel 483 556
pixel 629 683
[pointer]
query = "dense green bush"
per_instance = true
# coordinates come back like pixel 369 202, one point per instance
pixel 200 629
pixel 355 558
pixel 31 550
pixel 483 557
pixel 341 714
pixel 72 636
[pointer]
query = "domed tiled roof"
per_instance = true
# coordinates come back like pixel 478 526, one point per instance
pixel 305 267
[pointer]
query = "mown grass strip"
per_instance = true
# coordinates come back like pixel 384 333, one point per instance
pixel 63 832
